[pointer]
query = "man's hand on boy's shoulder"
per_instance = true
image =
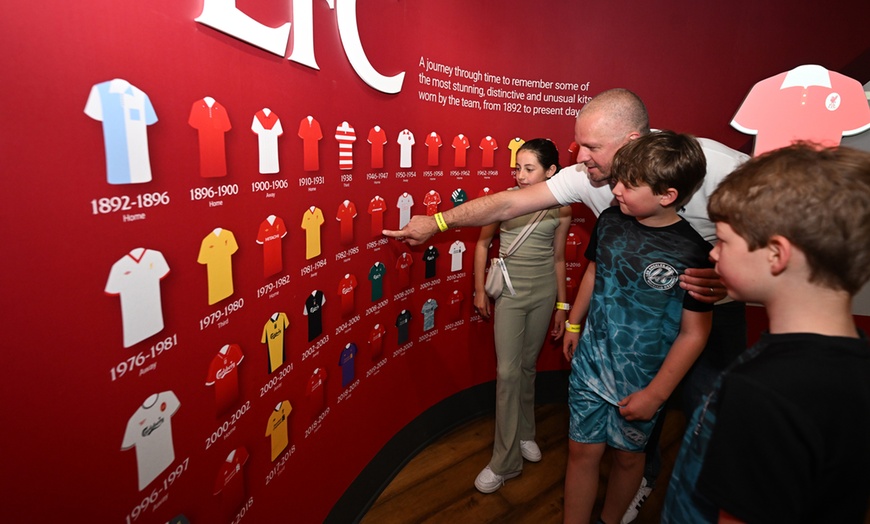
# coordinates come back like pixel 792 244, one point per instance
pixel 703 284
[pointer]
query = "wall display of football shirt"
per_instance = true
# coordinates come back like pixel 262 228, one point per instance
pixel 378 139
pixel 345 215
pixel 377 206
pixel 431 201
pixel 346 287
pixel 269 235
pixel 230 480
pixel 456 250
pixel 136 277
pixel 403 321
pixel 278 428
pixel 346 136
pixel 458 197
pixel 267 126
pixel 428 311
pixel 126 112
pixel 273 337
pixel 223 374
pixel 346 360
pixel 460 146
pixel 149 430
pixel 405 141
pixel 573 151
pixel 456 299
pixel 404 203
pixel 429 256
pixel 484 192
pixel 807 103
pixel 211 121
pixel 312 219
pixel 376 277
pixel 433 143
pixel 216 253
pixel 514 145
pixel 313 310
pixel 315 392
pixel 488 145
pixel 572 246
pixel 376 341
pixel 310 133
pixel 403 269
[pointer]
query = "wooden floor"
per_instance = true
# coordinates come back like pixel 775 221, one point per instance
pixel 438 484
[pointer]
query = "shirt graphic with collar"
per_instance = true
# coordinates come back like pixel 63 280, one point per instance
pixel 433 142
pixel 428 311
pixel 488 145
pixel 514 146
pixel 405 141
pixel 278 427
pixel 402 324
pixel 310 133
pixel 378 139
pixel 377 206
pixel 136 277
pixel 268 128
pixel 312 219
pixel 460 146
pixel 456 250
pixel 806 103
pixel 458 197
pixel 456 299
pixel 376 341
pixel 230 480
pixel 315 392
pixel 429 256
pixel 212 122
pixel 149 430
pixel 223 374
pixel 346 136
pixel 345 215
pixel 403 269
pixel 405 203
pixel 126 112
pixel 431 201
pixel 346 360
pixel 271 231
pixel 313 310
pixel 346 287
pixel 376 276
pixel 216 253
pixel 273 337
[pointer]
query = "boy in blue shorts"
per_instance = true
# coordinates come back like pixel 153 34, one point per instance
pixel 643 332
pixel 783 435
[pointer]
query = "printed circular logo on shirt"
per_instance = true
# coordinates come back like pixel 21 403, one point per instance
pixel 832 102
pixel 660 275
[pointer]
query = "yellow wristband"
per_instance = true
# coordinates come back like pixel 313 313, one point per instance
pixel 442 225
pixel 572 328
pixel 564 306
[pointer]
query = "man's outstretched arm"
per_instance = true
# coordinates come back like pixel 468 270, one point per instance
pixel 478 212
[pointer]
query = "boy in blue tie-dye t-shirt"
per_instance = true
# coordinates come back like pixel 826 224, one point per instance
pixel 643 332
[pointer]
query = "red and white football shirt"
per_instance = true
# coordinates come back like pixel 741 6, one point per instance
pixel 460 144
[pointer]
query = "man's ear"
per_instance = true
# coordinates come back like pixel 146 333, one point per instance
pixel 780 251
pixel 668 197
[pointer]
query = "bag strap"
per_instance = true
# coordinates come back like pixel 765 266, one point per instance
pixel 524 234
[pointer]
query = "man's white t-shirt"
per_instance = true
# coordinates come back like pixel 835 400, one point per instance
pixel 571 185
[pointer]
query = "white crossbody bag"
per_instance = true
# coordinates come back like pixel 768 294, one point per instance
pixel 498 276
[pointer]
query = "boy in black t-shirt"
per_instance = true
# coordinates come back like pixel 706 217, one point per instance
pixel 783 435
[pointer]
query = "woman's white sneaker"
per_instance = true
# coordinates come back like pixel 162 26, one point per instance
pixel 488 481
pixel 530 450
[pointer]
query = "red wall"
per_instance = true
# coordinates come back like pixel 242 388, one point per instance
pixel 691 62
